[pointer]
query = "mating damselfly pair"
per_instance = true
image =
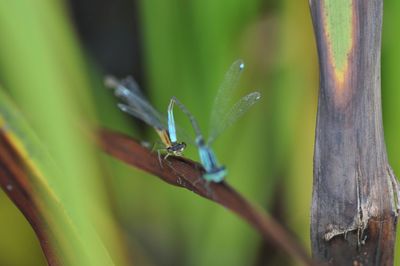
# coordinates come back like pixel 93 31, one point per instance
pixel 223 115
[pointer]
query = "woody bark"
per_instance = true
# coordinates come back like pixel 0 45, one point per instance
pixel 354 204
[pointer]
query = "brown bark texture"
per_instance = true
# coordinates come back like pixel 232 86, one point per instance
pixel 354 203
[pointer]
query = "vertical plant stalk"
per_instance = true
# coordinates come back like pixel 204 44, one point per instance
pixel 354 204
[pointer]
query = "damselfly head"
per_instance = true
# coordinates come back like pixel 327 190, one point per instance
pixel 177 149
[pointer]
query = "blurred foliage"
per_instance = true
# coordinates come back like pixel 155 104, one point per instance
pixel 390 92
pixel 53 56
pixel 44 72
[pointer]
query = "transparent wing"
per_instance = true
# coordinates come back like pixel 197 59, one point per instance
pixel 132 85
pixel 181 134
pixel 184 136
pixel 145 117
pixel 237 111
pixel 186 111
pixel 136 103
pixel 224 95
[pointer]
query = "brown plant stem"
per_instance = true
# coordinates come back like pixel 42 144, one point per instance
pixel 355 192
pixel 14 180
pixel 187 174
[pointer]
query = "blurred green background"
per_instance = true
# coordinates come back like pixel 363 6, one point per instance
pixel 53 56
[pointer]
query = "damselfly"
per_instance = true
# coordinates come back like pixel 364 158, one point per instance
pixel 136 104
pixel 222 117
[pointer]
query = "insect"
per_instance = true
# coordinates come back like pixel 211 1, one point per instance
pixel 221 118
pixel 136 104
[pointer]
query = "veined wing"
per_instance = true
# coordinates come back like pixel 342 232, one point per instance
pixel 224 96
pixel 131 84
pixel 136 103
pixel 237 111
pixel 184 136
pixel 186 111
pixel 126 89
pixel 181 134
pixel 140 114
